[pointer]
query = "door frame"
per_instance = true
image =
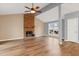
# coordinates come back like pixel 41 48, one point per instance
pixel 66 17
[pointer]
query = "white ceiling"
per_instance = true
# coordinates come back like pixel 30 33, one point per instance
pixel 50 15
pixel 18 8
pixel 15 8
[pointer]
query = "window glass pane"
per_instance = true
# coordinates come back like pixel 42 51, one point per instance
pixel 53 27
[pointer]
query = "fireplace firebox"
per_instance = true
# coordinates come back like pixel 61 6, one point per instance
pixel 29 33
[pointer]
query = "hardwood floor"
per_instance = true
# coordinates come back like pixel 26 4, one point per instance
pixel 42 46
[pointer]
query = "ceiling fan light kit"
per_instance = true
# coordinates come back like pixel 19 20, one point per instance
pixel 32 11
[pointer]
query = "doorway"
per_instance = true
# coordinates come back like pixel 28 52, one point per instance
pixel 53 29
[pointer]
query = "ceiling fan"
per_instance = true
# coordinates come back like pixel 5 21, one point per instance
pixel 33 9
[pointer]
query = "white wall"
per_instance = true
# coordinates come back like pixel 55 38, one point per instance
pixel 69 7
pixel 39 27
pixel 11 27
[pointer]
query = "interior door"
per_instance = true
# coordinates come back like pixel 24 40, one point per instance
pixel 72 29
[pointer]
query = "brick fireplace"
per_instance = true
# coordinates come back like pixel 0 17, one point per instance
pixel 29 25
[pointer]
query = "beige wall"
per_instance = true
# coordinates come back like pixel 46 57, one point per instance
pixel 11 27
pixel 39 28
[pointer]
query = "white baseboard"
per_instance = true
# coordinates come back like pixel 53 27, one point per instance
pixel 12 39
pixel 38 35
pixel 71 41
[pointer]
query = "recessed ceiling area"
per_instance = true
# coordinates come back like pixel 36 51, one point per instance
pixel 17 8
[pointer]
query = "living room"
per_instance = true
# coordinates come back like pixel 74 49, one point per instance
pixel 42 29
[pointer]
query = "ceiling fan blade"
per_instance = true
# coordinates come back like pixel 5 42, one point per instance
pixel 39 11
pixel 37 7
pixel 27 7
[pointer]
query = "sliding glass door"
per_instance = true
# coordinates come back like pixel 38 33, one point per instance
pixel 72 29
